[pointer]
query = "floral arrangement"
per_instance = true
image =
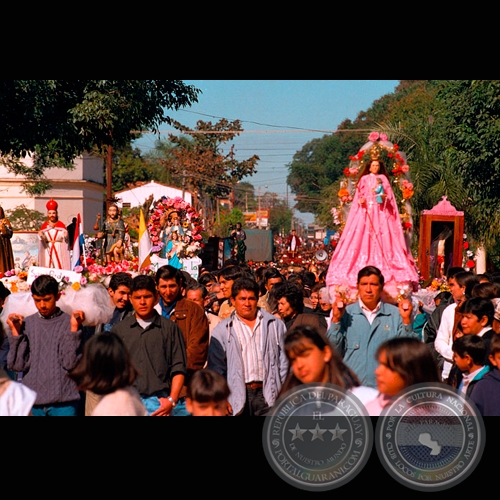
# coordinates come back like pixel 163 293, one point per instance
pixel 468 255
pixel 438 285
pixel 377 147
pixel 13 273
pixel 191 221
pixel 15 280
pixel 344 294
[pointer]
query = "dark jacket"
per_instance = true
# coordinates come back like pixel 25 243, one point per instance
pixel 486 394
pixel 317 321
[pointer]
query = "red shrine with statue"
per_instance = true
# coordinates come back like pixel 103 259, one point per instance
pixel 441 239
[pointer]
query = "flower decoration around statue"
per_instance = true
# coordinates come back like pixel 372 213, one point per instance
pixel 377 147
pixel 189 220
pixel 468 255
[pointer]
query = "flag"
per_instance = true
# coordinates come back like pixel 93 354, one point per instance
pixel 78 242
pixel 144 243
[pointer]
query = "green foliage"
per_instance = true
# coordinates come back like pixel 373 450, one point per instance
pixel 472 132
pixel 57 120
pixel 23 218
pixel 280 218
pixel 196 158
pixel 228 220
pixel 129 168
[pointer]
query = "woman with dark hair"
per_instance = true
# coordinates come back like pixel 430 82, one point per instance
pixel 290 305
pixel 403 361
pixel 313 359
pixel 106 369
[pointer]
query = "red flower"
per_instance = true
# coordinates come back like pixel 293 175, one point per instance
pixel 466 245
pixel 407 225
pixel 470 264
pixel 346 171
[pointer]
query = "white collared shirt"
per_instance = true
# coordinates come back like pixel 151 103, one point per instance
pixel 251 347
pixel 370 315
pixel 467 378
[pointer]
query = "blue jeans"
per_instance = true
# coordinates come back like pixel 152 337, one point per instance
pixel 66 409
pixel 152 403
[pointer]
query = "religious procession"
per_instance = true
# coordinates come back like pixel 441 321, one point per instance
pixel 231 339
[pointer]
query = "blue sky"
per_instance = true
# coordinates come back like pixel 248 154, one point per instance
pixel 278 117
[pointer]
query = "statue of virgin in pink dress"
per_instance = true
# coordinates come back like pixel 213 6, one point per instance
pixel 372 236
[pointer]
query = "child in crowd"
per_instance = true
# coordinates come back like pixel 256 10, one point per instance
pixel 313 359
pixel 403 361
pixel 486 393
pixel 107 370
pixel 45 346
pixel 469 357
pixel 207 394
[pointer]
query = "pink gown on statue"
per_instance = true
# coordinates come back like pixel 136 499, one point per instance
pixel 372 236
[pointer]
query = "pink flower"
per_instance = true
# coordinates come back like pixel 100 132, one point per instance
pixel 383 137
pixel 405 168
pixel 373 136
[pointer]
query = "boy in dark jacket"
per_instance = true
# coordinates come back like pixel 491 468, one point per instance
pixel 486 393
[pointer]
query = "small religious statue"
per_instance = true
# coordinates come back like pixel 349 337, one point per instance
pixel 239 247
pixel 112 235
pixel 53 248
pixel 170 224
pixel 6 253
pixel 379 191
pixel 293 242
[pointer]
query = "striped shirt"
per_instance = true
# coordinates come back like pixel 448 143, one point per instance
pixel 251 343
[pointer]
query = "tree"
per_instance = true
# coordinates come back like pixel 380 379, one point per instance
pixel 23 218
pixel 196 157
pixel 55 121
pixel 472 109
pixel 130 167
pixel 280 218
pixel 244 197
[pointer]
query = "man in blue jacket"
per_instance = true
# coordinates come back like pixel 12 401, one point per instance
pixel 357 330
pixel 247 349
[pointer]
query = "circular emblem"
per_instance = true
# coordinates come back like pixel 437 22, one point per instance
pixel 317 437
pixel 430 437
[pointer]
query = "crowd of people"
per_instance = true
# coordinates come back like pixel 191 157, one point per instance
pixel 233 340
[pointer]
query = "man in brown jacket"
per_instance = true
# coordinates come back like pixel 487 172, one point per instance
pixel 190 318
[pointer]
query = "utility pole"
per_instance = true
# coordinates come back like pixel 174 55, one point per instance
pixel 258 208
pixel 231 196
